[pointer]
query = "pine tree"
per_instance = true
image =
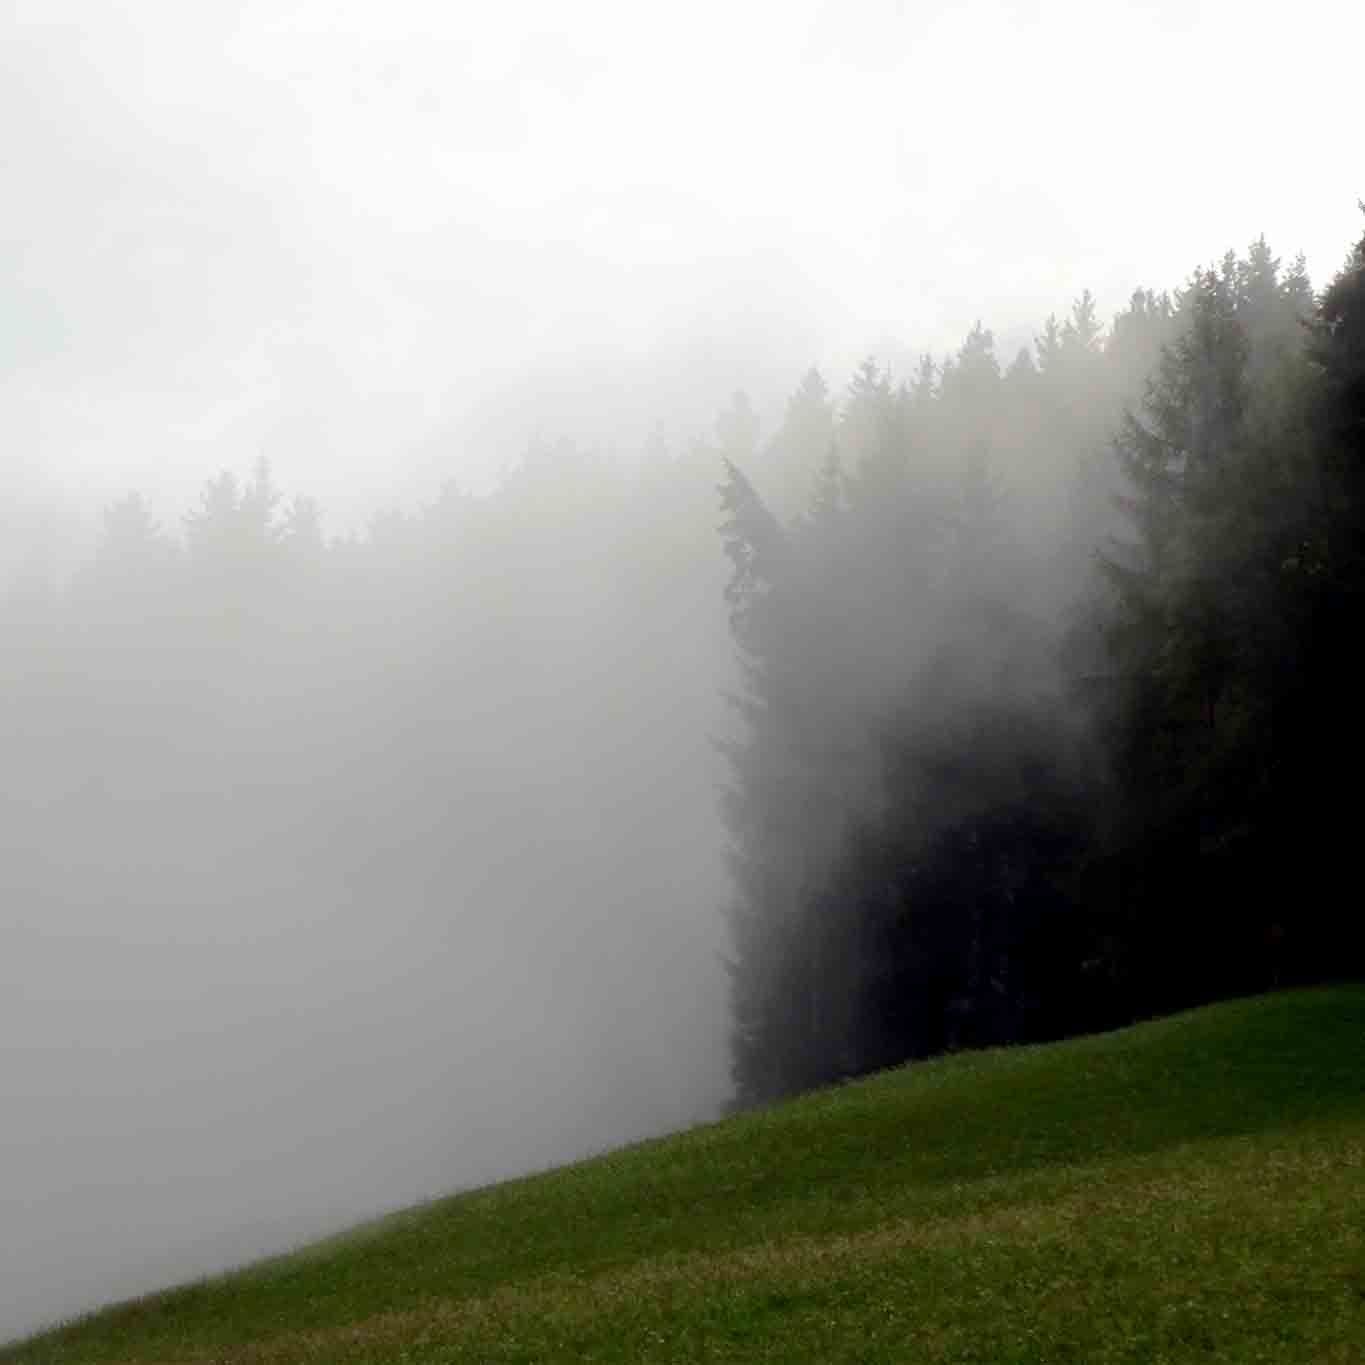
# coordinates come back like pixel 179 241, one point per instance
pixel 873 431
pixel 1321 729
pixel 737 429
pixel 1204 632
pixel 754 543
pixel 794 457
pixel 132 547
pixel 970 386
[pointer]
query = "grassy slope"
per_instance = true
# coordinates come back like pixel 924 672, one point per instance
pixel 1190 1189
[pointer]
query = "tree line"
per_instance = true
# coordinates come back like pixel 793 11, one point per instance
pixel 1026 688
pixel 1047 689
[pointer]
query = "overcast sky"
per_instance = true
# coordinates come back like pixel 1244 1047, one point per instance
pixel 385 243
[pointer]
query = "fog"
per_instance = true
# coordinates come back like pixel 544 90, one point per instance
pixel 335 879
pixel 358 851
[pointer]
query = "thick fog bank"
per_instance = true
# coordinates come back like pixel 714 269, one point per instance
pixel 334 878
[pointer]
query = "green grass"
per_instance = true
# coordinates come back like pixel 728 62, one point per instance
pixel 1187 1190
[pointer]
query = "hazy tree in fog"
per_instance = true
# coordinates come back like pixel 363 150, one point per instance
pixel 800 446
pixel 1202 637
pixel 737 429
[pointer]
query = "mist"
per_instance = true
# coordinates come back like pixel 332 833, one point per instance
pixel 373 789
pixel 340 878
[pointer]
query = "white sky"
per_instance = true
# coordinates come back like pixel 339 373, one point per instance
pixel 385 243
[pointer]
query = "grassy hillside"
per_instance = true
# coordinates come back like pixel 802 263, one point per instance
pixel 1190 1189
